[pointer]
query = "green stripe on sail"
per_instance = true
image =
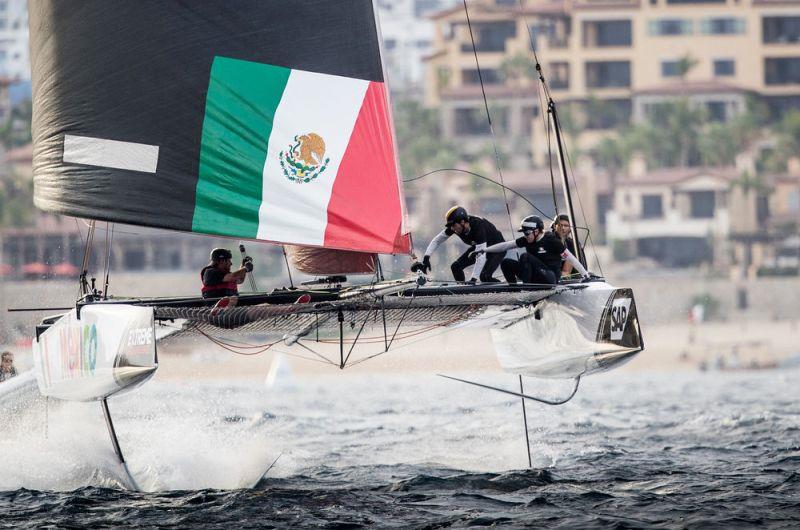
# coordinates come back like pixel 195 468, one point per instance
pixel 240 109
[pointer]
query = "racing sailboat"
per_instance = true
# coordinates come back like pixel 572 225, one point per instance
pixel 267 121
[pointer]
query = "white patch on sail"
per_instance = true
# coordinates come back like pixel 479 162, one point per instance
pixel 110 153
pixel 328 106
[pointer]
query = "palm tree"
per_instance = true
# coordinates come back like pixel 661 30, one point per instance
pixel 685 65
pixel 516 70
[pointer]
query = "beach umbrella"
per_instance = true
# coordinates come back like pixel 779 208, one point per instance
pixel 65 269
pixel 37 268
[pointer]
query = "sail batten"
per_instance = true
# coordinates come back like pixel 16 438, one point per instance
pixel 252 119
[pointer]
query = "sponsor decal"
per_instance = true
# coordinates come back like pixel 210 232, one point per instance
pixel 620 309
pixel 74 352
pixel 305 160
pixel 140 336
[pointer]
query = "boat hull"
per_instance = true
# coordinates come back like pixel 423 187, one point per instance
pixel 96 352
pixel 579 330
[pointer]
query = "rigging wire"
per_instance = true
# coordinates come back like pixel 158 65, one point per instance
pixel 107 266
pixel 542 87
pixel 571 174
pixel 489 117
pixel 488 179
pixel 583 212
pixel 512 190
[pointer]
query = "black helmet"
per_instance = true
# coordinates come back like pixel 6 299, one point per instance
pixel 531 222
pixel 219 254
pixel 454 215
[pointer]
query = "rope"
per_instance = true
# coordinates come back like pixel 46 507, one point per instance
pixel 512 190
pixel 489 117
pixel 571 174
pixel 230 346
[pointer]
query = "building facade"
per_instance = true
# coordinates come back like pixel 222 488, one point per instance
pixel 14 54
pixel 407 33
pixel 622 57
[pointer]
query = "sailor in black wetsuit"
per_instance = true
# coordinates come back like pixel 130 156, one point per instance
pixel 541 263
pixel 218 279
pixel 476 232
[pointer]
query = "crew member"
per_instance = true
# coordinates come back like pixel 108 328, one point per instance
pixel 541 263
pixel 476 232
pixel 218 279
pixel 562 228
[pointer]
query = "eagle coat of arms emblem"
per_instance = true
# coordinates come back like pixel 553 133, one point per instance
pixel 304 160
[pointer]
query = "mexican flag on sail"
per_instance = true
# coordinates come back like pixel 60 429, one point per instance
pixel 266 121
pixel 302 157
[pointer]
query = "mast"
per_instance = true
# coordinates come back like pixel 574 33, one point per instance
pixel 553 113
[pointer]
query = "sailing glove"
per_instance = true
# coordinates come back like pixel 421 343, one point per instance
pixel 247 263
pixel 423 267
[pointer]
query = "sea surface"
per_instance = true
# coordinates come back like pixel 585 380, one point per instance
pixel 632 450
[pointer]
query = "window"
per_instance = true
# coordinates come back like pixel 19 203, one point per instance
pixel 169 260
pixel 782 70
pixel 717 111
pixel 500 120
pixel 559 75
pixel 793 201
pixel 606 33
pixel 670 69
pixel 604 203
pixel 762 208
pixel 133 260
pixel 608 114
pixel 652 207
pixel 722 26
pixel 701 204
pixel 492 206
pixel 780 29
pixel 490 76
pixel 470 122
pixel 608 74
pixel 528 115
pixel 724 67
pixel 423 7
pixel 544 203
pixel 491 36
pixel 671 26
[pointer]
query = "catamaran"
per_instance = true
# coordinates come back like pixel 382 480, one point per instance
pixel 263 121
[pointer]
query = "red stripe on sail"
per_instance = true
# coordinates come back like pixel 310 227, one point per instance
pixel 364 212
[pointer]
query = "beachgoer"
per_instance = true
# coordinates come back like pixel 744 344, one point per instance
pixel 7 369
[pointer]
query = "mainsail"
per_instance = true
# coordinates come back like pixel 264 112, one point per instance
pixel 252 119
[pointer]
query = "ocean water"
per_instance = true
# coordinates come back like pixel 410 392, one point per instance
pixel 631 450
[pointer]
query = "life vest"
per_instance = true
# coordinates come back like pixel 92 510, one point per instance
pixel 224 286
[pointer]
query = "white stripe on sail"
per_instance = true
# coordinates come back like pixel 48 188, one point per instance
pixel 328 106
pixel 110 153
